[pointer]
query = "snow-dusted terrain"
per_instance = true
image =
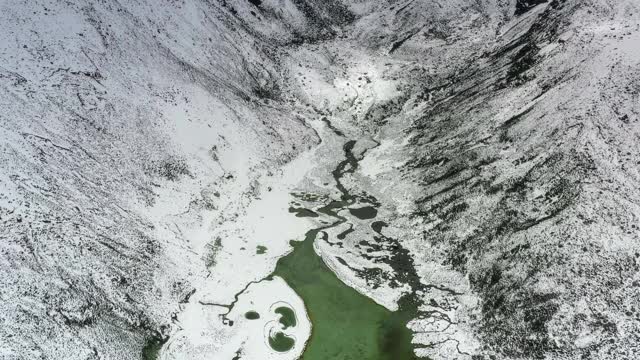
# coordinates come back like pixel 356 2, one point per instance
pixel 154 154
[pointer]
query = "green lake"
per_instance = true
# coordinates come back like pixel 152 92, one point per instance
pixel 346 325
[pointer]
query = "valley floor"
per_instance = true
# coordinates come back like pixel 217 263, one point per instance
pixel 320 180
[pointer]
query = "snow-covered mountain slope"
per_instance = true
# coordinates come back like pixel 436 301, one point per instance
pixel 128 130
pixel 149 149
pixel 521 128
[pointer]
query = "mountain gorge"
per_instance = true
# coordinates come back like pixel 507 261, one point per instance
pixel 235 179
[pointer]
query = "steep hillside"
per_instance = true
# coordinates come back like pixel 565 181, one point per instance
pixel 468 166
pixel 522 173
pixel 127 128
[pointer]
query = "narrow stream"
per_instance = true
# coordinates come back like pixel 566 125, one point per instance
pixel 346 325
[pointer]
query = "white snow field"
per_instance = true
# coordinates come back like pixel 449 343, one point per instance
pixel 157 158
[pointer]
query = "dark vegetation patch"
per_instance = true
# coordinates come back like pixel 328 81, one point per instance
pixel 522 6
pixel 271 91
pixel 396 45
pixel 374 277
pixel 522 62
pixel 523 51
pixel 171 168
pixel 322 19
pixel 380 112
pixel 449 173
pixel 515 316
pixel 211 252
pixel 309 197
pixel 453 210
